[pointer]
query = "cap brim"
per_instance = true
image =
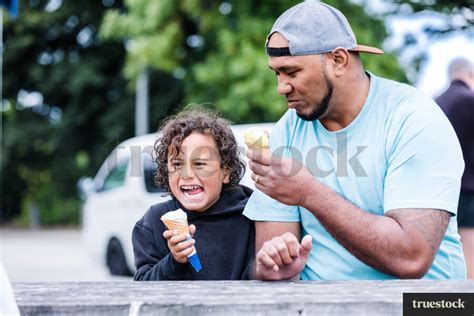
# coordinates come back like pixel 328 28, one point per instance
pixel 367 49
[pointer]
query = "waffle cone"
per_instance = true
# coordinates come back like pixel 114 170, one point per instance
pixel 263 150
pixel 180 226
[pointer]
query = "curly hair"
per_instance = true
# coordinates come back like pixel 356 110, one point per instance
pixel 177 128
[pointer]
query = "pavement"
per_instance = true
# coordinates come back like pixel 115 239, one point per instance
pixel 49 255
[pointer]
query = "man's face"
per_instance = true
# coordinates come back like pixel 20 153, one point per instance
pixel 302 80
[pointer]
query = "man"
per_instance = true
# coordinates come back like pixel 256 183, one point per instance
pixel 369 168
pixel 457 102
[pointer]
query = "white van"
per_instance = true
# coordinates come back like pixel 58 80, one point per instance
pixel 121 192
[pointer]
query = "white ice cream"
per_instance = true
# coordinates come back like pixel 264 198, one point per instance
pixel 257 137
pixel 178 215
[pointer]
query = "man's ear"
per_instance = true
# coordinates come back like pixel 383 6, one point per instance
pixel 340 60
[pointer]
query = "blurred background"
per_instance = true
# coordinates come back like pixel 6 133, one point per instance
pixel 80 77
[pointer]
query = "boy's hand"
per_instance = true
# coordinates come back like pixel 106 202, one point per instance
pixel 282 257
pixel 180 248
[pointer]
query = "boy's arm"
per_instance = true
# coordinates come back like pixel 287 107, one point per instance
pixel 151 262
pixel 248 273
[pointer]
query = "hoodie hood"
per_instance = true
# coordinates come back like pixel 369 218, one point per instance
pixel 231 200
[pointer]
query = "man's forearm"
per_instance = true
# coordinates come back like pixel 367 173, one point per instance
pixel 377 240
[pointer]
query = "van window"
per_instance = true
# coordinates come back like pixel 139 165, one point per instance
pixel 115 178
pixel 150 171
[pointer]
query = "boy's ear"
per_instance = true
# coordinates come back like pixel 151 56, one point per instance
pixel 226 178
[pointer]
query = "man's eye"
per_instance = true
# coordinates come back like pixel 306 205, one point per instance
pixel 292 73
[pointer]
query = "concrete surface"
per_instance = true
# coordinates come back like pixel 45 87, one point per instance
pixel 226 297
pixel 48 255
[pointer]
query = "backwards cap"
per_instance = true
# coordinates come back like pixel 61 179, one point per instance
pixel 312 28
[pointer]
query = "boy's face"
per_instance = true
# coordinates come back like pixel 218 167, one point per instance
pixel 195 175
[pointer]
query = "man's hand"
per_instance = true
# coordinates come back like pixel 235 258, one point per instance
pixel 283 179
pixel 178 244
pixel 282 257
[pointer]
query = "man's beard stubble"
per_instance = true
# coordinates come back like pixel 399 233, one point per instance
pixel 321 108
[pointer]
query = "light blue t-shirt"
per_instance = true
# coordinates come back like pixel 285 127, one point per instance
pixel 399 152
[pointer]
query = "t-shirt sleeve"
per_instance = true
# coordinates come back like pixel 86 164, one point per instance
pixel 261 207
pixel 424 158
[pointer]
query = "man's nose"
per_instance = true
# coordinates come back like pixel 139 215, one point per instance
pixel 284 87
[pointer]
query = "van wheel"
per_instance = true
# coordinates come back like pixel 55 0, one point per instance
pixel 116 259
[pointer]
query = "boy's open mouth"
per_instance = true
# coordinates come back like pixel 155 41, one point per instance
pixel 191 189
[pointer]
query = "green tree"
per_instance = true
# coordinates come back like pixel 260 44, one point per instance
pixel 68 92
pixel 216 49
pixel 457 15
pixel 56 79
pixel 442 19
pixel 66 104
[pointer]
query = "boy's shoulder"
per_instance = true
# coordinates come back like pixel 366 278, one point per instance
pixel 154 213
pixel 246 190
pixel 159 209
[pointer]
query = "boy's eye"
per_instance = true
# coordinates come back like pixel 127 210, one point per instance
pixel 176 164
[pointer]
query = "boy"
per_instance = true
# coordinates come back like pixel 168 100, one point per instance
pixel 198 161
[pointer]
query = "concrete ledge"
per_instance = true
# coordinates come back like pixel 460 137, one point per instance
pixel 225 297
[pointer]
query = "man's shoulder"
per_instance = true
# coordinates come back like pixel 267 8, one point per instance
pixel 401 100
pixel 284 128
pixel 466 95
pixel 458 98
pixel 162 208
pixel 394 91
pixel 288 119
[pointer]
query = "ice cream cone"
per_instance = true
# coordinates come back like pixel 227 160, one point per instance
pixel 180 226
pixel 177 220
pixel 257 138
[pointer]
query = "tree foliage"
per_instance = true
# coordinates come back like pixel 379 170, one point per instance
pixel 65 105
pixel 443 18
pixel 457 14
pixel 217 49
pixel 70 70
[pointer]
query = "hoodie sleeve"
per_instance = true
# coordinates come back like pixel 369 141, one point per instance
pixel 248 273
pixel 153 260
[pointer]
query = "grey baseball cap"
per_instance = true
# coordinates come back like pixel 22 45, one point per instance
pixel 313 27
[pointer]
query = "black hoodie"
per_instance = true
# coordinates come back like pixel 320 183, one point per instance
pixel 225 241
